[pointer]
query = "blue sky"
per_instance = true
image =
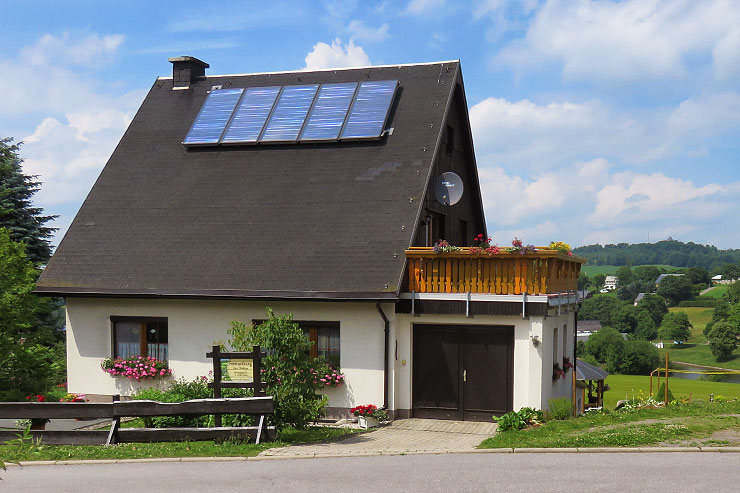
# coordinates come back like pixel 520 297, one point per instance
pixel 593 121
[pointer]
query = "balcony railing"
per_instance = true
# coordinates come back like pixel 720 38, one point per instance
pixel 543 271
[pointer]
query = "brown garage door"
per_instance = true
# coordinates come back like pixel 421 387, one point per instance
pixel 462 372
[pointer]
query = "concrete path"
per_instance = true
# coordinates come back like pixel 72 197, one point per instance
pixel 398 437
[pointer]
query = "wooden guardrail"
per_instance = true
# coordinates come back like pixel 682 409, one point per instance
pixel 257 406
pixel 543 271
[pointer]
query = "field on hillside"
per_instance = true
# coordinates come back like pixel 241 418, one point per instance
pixel 716 292
pixel 592 270
pixel 695 350
pixel 627 386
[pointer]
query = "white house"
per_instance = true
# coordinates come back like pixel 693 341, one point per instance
pixel 318 194
pixel 610 282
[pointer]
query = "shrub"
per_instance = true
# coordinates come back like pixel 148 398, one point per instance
pixel 659 395
pixel 699 303
pixel 516 420
pixel 560 408
pixel 178 391
pixel 293 377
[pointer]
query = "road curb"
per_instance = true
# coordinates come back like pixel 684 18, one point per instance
pixel 594 450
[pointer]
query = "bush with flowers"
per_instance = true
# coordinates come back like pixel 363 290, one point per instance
pixel 517 246
pixel 443 246
pixel 482 244
pixel 136 367
pixel 369 411
pixel 293 377
pixel 561 247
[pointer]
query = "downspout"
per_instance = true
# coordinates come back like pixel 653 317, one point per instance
pixel 575 361
pixel 387 329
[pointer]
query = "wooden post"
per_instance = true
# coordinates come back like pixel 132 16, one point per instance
pixel 114 425
pixel 217 380
pixel 666 378
pixel 650 392
pixel 257 371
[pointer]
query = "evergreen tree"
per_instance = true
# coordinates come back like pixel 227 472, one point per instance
pixel 25 222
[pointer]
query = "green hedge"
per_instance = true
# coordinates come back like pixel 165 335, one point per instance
pixel 699 303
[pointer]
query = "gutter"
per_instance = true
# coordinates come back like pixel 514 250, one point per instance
pixel 386 331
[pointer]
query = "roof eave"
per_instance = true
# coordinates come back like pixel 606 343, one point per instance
pixel 231 294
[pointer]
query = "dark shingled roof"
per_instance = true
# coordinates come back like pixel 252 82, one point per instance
pixel 271 221
pixel 587 371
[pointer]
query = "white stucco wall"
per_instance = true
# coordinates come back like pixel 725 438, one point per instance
pixel 561 387
pixel 194 326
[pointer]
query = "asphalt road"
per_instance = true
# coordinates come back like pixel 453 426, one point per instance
pixel 674 472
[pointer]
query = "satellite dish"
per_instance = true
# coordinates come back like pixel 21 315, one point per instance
pixel 448 188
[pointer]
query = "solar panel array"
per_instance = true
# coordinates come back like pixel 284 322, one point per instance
pixel 305 113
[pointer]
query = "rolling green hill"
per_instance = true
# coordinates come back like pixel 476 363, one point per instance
pixel 667 252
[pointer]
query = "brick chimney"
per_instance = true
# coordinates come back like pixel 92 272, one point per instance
pixel 186 70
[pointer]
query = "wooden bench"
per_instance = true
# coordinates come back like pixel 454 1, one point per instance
pixel 260 407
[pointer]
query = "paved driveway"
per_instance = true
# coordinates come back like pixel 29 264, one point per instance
pixel 398 437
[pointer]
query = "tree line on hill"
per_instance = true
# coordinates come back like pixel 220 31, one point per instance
pixel 32 350
pixel 666 252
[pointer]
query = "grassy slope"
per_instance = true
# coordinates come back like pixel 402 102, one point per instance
pixel 695 351
pixel 627 386
pixel 592 270
pixel 716 292
pixel 683 424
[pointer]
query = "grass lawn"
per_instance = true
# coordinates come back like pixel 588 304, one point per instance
pixel 716 292
pixel 15 451
pixel 682 424
pixel 607 270
pixel 627 386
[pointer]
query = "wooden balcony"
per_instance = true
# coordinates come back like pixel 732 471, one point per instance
pixel 544 271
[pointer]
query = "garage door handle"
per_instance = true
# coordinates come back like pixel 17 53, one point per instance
pixel 465 375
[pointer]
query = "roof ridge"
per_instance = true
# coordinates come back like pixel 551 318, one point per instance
pixel 282 72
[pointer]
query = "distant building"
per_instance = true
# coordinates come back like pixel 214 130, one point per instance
pixel 718 280
pixel 586 328
pixel 639 298
pixel 610 282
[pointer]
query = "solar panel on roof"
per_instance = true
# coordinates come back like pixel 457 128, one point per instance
pixel 289 113
pixel 370 109
pixel 329 112
pixel 213 117
pixel 251 114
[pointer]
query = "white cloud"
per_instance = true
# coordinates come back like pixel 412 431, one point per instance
pixel 588 203
pixel 629 40
pixel 69 122
pixel 360 32
pixel 424 7
pixel 336 55
pixel 59 50
pixel 533 136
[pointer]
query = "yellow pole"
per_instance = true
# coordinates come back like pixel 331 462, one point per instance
pixel 666 378
pixel 650 394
